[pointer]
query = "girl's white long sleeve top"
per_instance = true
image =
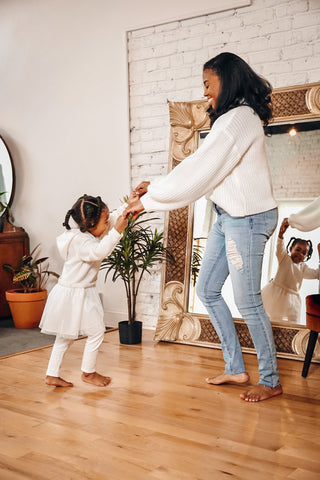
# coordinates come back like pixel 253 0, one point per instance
pixel 83 253
pixel 230 168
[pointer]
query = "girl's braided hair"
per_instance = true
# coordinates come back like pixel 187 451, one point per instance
pixel 293 241
pixel 86 212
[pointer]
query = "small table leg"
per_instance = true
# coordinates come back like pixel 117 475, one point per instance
pixel 310 348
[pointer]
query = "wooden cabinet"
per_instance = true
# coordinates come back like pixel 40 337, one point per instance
pixel 14 243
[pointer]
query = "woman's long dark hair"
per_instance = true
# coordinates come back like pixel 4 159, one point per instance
pixel 239 85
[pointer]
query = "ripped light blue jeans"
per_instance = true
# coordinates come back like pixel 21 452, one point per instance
pixel 236 246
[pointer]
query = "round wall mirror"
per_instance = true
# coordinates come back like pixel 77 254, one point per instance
pixel 6 176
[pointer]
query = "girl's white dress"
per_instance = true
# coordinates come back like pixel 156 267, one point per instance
pixel 73 306
pixel 280 296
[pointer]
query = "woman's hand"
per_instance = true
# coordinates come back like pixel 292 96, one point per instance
pixel 142 188
pixel 133 197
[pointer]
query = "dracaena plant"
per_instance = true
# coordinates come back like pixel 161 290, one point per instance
pixel 138 251
pixel 31 272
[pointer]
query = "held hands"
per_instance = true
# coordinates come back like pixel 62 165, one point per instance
pixel 137 192
pixel 134 207
pixel 134 204
pixel 283 227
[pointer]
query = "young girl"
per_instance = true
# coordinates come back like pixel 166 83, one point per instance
pixel 73 307
pixel 280 296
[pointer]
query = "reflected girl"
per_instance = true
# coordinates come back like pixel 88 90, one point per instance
pixel 280 296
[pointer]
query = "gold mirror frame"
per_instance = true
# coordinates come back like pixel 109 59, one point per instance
pixel 175 323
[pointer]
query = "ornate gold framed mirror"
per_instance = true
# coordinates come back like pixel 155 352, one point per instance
pixel 177 321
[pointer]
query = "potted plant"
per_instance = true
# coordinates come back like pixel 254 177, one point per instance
pixel 138 251
pixel 28 300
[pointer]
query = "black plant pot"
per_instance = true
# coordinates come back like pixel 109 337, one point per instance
pixel 130 334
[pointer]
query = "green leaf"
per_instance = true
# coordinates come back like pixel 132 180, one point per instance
pixel 8 268
pixel 20 276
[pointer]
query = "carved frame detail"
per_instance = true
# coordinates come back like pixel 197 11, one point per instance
pixel 175 323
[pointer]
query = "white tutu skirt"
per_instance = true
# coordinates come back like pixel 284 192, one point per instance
pixel 281 304
pixel 70 312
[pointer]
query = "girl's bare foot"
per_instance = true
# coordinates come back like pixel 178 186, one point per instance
pixel 228 378
pixel 259 392
pixel 57 382
pixel 96 379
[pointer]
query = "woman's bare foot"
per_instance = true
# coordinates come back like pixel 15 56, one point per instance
pixel 259 392
pixel 95 379
pixel 228 378
pixel 57 382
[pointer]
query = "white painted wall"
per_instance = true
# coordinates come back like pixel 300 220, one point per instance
pixel 64 107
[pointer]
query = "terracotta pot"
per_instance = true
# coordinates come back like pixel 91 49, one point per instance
pixel 26 308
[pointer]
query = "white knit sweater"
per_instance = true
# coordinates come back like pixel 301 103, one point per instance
pixel 308 218
pixel 230 168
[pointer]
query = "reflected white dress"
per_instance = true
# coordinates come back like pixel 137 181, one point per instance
pixel 73 306
pixel 281 299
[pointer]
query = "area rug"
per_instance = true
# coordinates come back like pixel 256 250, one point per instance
pixel 18 340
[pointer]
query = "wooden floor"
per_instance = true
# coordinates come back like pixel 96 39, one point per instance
pixel 158 419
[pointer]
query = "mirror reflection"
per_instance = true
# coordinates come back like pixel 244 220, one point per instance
pixel 293 152
pixel 6 175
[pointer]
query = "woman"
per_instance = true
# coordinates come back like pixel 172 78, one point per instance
pixel 231 169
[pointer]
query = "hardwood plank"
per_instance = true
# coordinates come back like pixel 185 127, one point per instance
pixel 158 419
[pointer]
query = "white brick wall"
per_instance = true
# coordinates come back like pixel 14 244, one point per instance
pixel 278 38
